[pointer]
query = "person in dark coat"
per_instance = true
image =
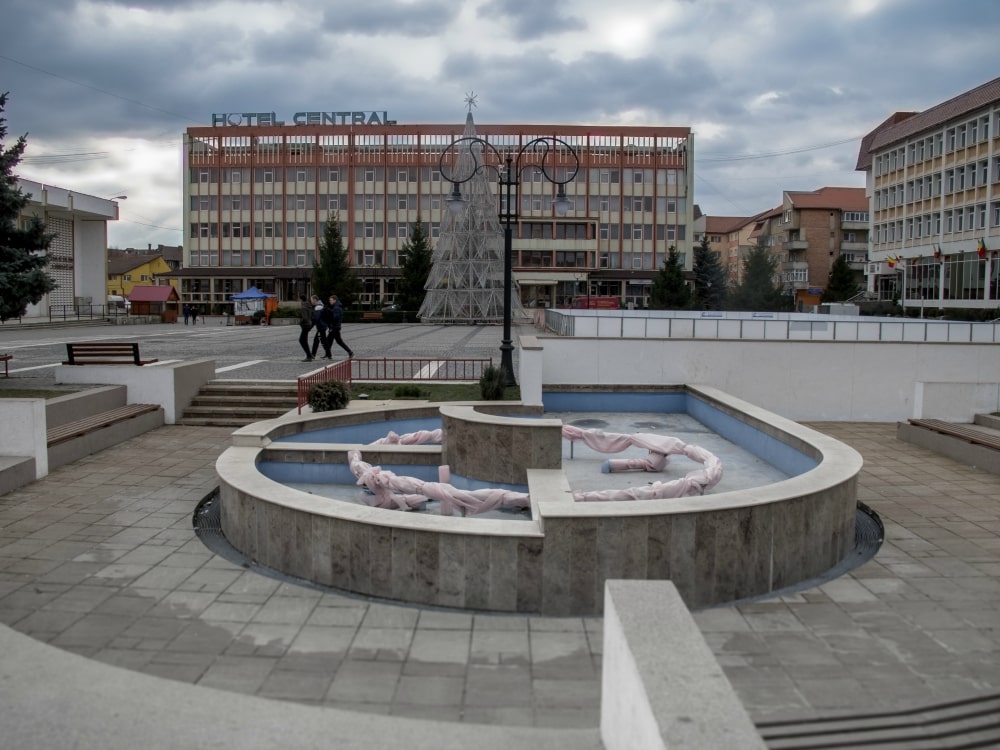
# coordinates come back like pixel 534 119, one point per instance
pixel 305 324
pixel 336 317
pixel 321 328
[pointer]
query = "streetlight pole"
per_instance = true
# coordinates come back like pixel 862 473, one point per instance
pixel 509 167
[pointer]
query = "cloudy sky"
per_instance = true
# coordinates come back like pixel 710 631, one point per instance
pixel 778 92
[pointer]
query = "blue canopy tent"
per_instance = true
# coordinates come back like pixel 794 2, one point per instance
pixel 253 300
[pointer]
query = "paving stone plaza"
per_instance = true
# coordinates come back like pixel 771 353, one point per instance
pixel 101 558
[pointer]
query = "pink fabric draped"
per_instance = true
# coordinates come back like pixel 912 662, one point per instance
pixel 388 490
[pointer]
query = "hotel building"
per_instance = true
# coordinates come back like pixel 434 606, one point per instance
pixel 933 180
pixel 258 193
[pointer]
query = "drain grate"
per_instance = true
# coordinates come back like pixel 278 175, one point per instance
pixel 868 536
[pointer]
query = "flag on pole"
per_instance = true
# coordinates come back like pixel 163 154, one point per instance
pixel 892 260
pixel 937 252
pixel 981 249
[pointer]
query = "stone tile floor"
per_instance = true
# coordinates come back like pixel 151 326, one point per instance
pixel 100 558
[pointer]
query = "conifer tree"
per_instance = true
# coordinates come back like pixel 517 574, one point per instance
pixel 333 273
pixel 670 290
pixel 841 285
pixel 709 278
pixel 757 291
pixel 415 266
pixel 24 252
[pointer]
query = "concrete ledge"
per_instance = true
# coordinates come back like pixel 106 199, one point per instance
pixel 661 686
pixel 172 385
pixel 15 471
pixel 73 406
pixel 68 451
pixel 970 454
pixel 55 699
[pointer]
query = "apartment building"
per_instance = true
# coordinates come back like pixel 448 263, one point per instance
pixel 258 193
pixel 809 231
pixel 726 236
pixel 933 181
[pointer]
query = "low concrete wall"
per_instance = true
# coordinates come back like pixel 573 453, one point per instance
pixel 661 686
pixel 172 385
pixel 839 381
pixel 956 448
pixel 23 432
pixel 955 402
pixel 73 406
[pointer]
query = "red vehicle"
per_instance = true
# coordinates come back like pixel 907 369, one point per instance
pixel 596 303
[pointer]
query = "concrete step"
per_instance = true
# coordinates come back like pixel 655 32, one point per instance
pixel 225 399
pixel 251 411
pixel 235 403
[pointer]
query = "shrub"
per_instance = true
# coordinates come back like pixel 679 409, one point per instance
pixel 407 390
pixel 329 396
pixel 492 383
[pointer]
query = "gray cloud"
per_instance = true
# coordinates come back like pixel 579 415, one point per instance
pixel 531 19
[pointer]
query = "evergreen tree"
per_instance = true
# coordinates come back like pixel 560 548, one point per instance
pixel 670 291
pixel 841 285
pixel 415 266
pixel 333 273
pixel 24 253
pixel 709 278
pixel 758 290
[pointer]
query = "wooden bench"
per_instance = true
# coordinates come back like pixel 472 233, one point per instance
pixel 965 432
pixel 81 427
pixel 104 353
pixel 5 358
pixel 371 316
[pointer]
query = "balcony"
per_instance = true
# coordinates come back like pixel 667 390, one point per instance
pixel 854 248
pixel 854 226
pixel 793 245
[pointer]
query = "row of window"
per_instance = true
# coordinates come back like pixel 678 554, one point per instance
pixel 961 136
pixel 403 230
pixel 950 221
pixel 963 276
pixel 946 182
pixel 405 202
pixel 402 175
pixel 366 261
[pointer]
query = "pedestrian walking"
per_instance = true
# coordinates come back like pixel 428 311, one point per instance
pixel 335 315
pixel 194 315
pixel 319 339
pixel 187 313
pixel 305 325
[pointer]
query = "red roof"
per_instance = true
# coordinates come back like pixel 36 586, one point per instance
pixel 163 293
pixel 843 198
pixel 904 125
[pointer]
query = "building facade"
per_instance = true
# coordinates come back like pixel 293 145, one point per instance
pixel 810 230
pixel 933 180
pixel 258 193
pixel 130 269
pixel 78 252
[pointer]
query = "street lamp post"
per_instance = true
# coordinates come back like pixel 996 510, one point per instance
pixel 509 167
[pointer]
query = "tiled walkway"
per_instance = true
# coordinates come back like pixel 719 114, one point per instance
pixel 100 558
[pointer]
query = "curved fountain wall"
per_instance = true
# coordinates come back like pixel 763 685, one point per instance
pixel 715 548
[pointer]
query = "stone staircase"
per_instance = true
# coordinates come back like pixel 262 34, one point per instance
pixel 235 403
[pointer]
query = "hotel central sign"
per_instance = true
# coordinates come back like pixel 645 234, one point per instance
pixel 302 118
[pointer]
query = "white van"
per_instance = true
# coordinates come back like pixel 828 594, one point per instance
pixel 117 302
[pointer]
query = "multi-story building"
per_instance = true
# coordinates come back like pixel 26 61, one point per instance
pixel 933 179
pixel 258 194
pixel 807 233
pixel 725 235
